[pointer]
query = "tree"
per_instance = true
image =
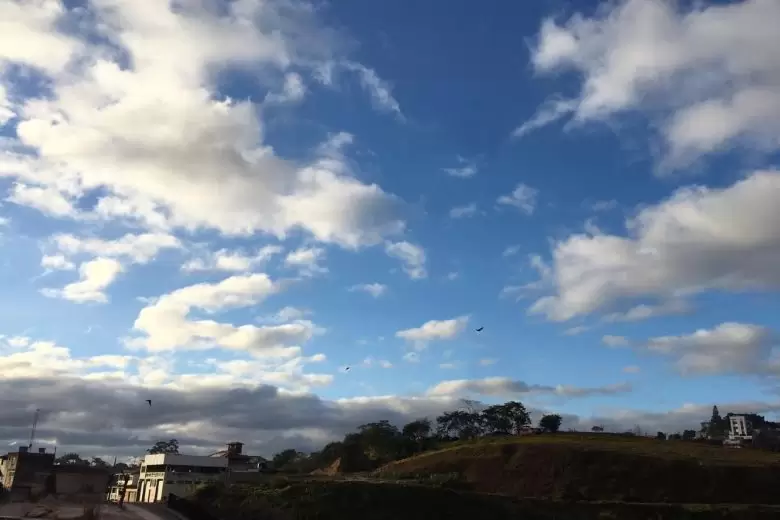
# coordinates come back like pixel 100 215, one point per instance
pixel 285 457
pixel 597 429
pixel 518 414
pixel 689 435
pixel 497 419
pixel 99 463
pixel 417 431
pixel 459 423
pixel 72 459
pixel 551 422
pixel 171 446
pixel 661 436
pixel 380 440
pixel 675 437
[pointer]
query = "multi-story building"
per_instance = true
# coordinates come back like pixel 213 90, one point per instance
pixel 25 472
pixel 165 473
pixel 124 483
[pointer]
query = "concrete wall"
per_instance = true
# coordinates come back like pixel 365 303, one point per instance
pixel 80 483
pixel 172 459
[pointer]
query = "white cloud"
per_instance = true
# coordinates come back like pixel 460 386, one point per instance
pixel 45 199
pixel 166 324
pixel 465 169
pixel 632 369
pixel 6 111
pixel 412 256
pixel 94 277
pixel 488 361
pixel 523 198
pixel 727 348
pixel 293 90
pixel 136 248
pixel 235 261
pixel 57 262
pixel 370 362
pixel 374 289
pixel 469 210
pixel 379 90
pixel 307 260
pixel 504 386
pixel 708 71
pixel 157 137
pixel 615 341
pixel 511 251
pixel 698 239
pixel 434 330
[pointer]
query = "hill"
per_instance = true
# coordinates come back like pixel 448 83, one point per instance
pixel 352 500
pixel 601 468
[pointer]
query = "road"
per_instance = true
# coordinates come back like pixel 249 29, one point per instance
pixel 153 511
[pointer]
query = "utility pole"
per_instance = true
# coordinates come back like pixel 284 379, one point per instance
pixel 34 426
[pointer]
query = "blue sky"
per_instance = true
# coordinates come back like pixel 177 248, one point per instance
pixel 222 195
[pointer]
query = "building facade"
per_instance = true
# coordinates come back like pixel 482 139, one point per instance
pixel 164 473
pixel 26 473
pixel 125 483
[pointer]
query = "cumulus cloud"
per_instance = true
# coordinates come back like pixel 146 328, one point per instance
pixel 523 197
pixel 615 341
pixel 464 170
pixel 307 260
pixel 165 324
pixel 469 210
pixel 707 71
pixel 57 262
pixel 726 348
pixel 94 277
pixel 434 330
pixel 293 90
pixel 155 143
pixel 506 387
pixel 412 256
pixel 698 239
pixel 374 289
pixel 232 261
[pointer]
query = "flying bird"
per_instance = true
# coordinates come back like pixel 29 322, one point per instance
pixel 149 401
pixel 346 369
pixel 480 329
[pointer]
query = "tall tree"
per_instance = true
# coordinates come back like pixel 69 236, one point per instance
pixel 285 457
pixel 72 459
pixel 497 419
pixel 417 431
pixel 551 422
pixel 518 414
pixel 459 423
pixel 170 446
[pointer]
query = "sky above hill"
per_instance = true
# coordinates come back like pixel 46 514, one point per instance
pixel 221 205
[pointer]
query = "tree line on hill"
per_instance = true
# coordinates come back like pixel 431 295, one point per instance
pixel 380 442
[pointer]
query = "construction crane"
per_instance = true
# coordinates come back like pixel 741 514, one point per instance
pixel 34 426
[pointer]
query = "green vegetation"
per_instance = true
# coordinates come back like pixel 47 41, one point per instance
pixel 490 463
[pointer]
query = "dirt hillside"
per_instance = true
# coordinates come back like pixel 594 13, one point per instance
pixel 602 468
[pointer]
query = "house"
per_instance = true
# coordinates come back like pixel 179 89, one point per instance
pixel 25 472
pixel 238 461
pixel 164 473
pixel 124 483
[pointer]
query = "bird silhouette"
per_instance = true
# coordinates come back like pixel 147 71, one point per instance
pixel 480 329
pixel 346 369
pixel 149 401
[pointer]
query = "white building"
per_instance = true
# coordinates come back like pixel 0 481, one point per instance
pixel 739 427
pixel 165 473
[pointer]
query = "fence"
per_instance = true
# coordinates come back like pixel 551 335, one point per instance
pixel 188 509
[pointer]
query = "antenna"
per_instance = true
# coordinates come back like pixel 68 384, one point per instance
pixel 34 426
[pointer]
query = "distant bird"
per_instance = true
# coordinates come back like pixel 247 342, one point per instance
pixel 480 329
pixel 149 401
pixel 346 369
